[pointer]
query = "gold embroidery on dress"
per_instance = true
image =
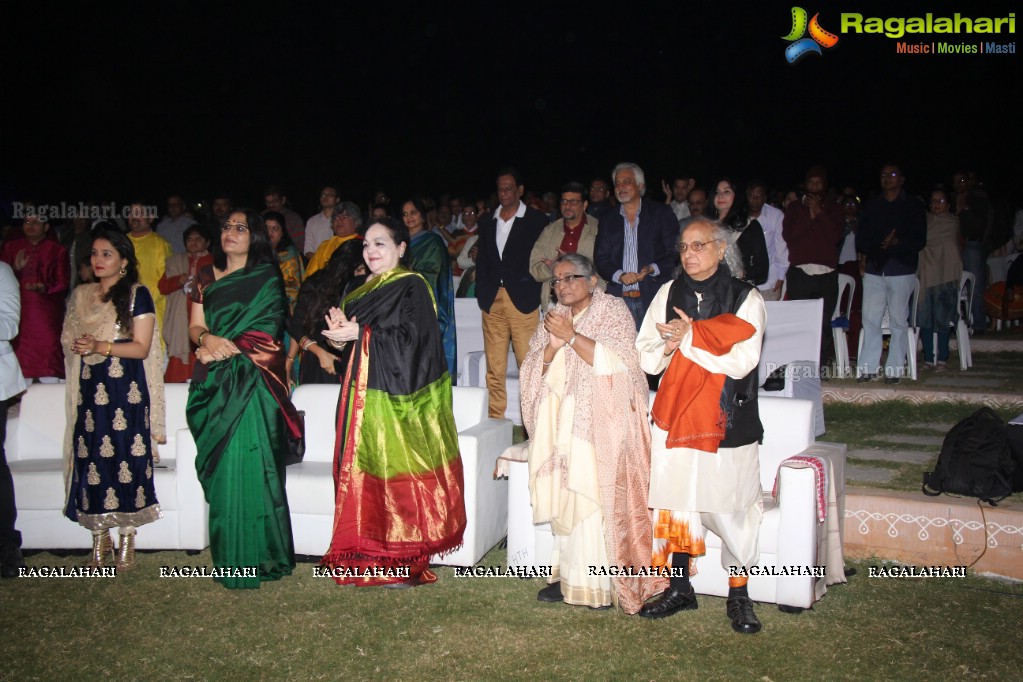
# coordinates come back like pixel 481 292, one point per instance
pixel 120 423
pixel 85 500
pixel 83 451
pixel 101 395
pixel 149 471
pixel 86 372
pixel 93 476
pixel 145 419
pixel 124 474
pixel 116 368
pixel 134 394
pixel 90 424
pixel 140 498
pixel 79 398
pixel 138 446
pixel 106 449
pixel 111 501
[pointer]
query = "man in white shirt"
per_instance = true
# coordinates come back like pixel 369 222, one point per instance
pixel 677 194
pixel 770 219
pixel 317 228
pixel 173 225
pixel 507 295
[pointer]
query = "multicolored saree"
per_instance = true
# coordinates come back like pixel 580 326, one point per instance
pixel 240 415
pixel 397 470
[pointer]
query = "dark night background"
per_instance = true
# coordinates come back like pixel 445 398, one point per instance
pixel 113 101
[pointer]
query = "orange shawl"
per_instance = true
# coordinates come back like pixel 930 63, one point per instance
pixel 688 402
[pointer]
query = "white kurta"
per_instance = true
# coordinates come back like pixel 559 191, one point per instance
pixel 724 487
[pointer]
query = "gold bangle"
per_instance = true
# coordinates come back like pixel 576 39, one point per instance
pixel 198 341
pixel 110 347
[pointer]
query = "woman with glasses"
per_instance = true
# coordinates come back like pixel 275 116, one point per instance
pixel 939 270
pixel 584 404
pixel 431 260
pixel 239 410
pixel 748 235
pixel 704 331
pixel 397 469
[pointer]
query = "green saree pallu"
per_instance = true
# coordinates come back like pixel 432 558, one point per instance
pixel 431 260
pixel 240 417
pixel 397 471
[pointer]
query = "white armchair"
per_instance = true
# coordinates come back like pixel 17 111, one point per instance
pixel 790 535
pixel 310 485
pixel 34 445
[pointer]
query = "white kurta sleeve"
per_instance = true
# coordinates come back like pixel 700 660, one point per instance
pixel 649 342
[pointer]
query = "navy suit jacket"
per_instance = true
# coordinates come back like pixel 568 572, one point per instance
pixel 512 270
pixel 655 244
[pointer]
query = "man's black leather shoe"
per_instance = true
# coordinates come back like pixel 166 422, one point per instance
pixel 740 612
pixel 550 594
pixel 670 602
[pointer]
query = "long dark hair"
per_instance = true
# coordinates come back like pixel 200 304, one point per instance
pixel 120 293
pixel 738 215
pixel 260 250
pixel 327 286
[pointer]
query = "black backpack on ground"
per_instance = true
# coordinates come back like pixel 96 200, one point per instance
pixel 975 460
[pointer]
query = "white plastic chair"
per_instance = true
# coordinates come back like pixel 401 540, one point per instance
pixel 967 285
pixel 792 338
pixel 840 333
pixel 886 329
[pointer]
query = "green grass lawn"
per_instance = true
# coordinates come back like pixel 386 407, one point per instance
pixel 139 626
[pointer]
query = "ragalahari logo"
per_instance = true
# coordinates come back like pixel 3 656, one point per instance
pixel 801 46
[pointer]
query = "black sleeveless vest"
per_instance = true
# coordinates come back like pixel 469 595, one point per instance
pixel 721 294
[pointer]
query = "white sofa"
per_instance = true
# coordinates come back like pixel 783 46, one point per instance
pixel 468 331
pixel 481 440
pixel 790 534
pixel 473 372
pixel 34 445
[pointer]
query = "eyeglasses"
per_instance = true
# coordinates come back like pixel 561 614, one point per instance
pixel 240 228
pixel 572 202
pixel 567 279
pixel 598 188
pixel 469 211
pixel 695 246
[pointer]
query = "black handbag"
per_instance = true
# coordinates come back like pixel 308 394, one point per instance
pixel 296 446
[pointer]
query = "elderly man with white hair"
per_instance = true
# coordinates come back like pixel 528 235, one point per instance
pixel 635 248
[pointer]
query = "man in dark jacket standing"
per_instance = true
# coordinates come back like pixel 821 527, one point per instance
pixel 507 294
pixel 892 231
pixel 635 248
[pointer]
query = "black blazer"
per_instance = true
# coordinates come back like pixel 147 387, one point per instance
pixel 655 243
pixel 511 271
